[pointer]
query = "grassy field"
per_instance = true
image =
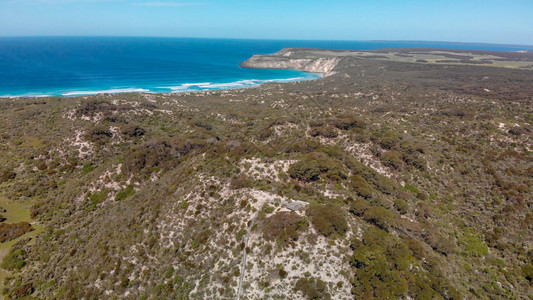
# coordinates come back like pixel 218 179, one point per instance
pixel 16 212
pixel 440 57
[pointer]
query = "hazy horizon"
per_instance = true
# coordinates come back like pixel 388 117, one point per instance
pixel 491 22
pixel 264 39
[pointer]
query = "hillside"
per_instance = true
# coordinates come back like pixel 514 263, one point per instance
pixel 386 179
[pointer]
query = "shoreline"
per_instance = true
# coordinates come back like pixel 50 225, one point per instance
pixel 176 89
pixel 312 64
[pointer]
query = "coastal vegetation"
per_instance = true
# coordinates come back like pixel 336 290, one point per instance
pixel 384 180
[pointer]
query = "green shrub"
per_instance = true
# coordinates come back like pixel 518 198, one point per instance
pixel 312 288
pixel 133 130
pixel 24 290
pixel 328 219
pixel 158 153
pixel 389 140
pixel 473 246
pixel 183 205
pixel 284 227
pixel 14 260
pixel 99 134
pixel 42 166
pixel 52 184
pixel 169 272
pixel 438 243
pixel 415 160
pixel 380 262
pixel 125 193
pixel 418 250
pixel 361 186
pixel 305 170
pixel 124 282
pixel 384 270
pixel 241 234
pixel 380 182
pixel 359 206
pixel 282 273
pixel 92 107
pixel 98 197
pixel 347 122
pixel 9 231
pixel 88 167
pixel 324 131
pixel 392 159
pixel 267 209
pixel 401 205
pixel 383 184
pixel 315 164
pixel 423 210
pixel 411 188
pixel 265 133
pixel 379 216
pixel 380 201
pixel 527 271
pixel 202 124
pixel 240 182
pixel 7 175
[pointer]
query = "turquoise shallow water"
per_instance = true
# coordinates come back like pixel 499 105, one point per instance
pixel 72 66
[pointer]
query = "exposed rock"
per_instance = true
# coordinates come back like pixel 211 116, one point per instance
pixel 286 59
pixel 295 205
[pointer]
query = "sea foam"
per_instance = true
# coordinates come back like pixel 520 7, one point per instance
pixel 110 91
pixel 207 86
pixel 29 95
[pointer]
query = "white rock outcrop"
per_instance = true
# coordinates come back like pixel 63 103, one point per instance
pixel 290 60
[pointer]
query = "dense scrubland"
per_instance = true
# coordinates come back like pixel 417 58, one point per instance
pixel 386 180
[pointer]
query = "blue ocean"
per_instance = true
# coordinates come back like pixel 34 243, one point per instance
pixel 73 66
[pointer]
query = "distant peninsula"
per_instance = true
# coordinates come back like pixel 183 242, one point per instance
pixel 324 61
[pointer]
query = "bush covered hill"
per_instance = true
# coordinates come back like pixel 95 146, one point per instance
pixel 387 180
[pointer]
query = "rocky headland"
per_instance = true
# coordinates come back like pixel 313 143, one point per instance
pixel 289 59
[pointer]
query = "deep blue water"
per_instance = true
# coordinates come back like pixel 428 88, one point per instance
pixel 69 66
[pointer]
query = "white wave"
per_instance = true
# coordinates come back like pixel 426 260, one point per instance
pixel 26 96
pixel 236 84
pixel 288 79
pixel 196 84
pixel 205 86
pixel 110 91
pixel 185 86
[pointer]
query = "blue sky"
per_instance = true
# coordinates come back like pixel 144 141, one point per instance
pixel 491 21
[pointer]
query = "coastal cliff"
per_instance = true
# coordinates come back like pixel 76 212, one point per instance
pixel 289 59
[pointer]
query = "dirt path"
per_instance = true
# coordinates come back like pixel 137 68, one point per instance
pixel 243 263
